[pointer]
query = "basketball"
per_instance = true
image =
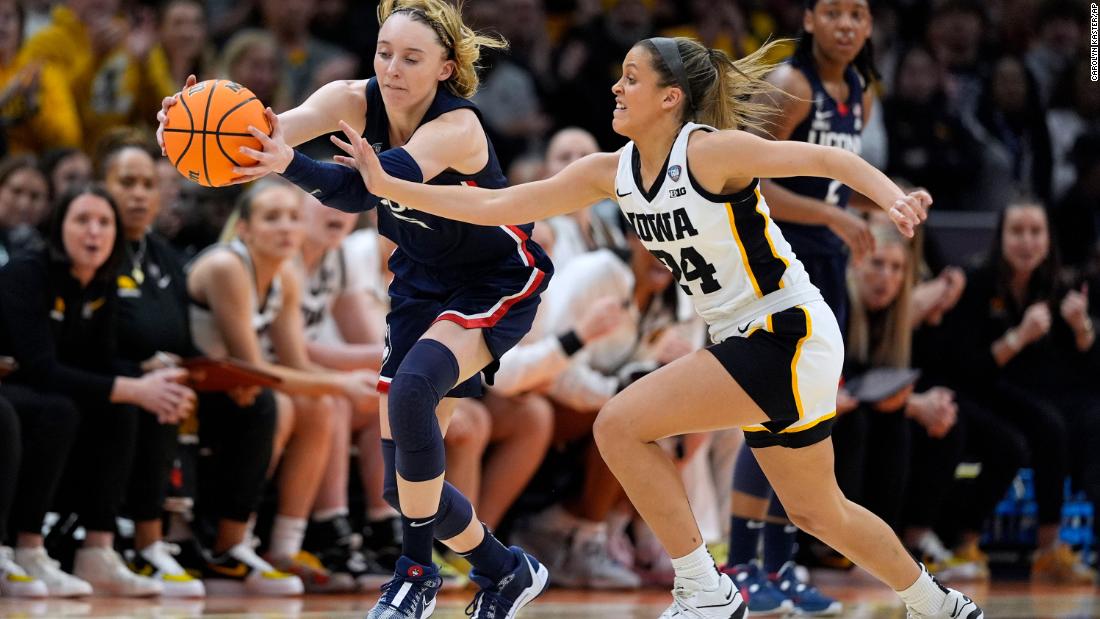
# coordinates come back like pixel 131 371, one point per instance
pixel 207 127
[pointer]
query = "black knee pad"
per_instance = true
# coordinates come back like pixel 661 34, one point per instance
pixel 426 374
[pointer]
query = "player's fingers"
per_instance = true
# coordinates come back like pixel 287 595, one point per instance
pixel 190 81
pixel 342 145
pixel 251 152
pixel 264 139
pixel 346 161
pixel 273 122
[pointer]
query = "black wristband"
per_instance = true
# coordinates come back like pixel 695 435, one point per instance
pixel 570 343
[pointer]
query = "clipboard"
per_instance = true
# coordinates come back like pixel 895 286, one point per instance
pixel 879 384
pixel 206 374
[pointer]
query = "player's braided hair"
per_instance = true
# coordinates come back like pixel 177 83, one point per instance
pixel 462 43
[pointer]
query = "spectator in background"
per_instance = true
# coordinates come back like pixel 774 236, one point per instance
pixel 251 58
pixel 717 25
pixel 1011 125
pixel 66 168
pixel 1023 344
pixel 1059 39
pixel 307 62
pixel 937 501
pixel 954 34
pixel 245 304
pixel 183 46
pixel 106 61
pixel 24 198
pixel 591 362
pixel 509 100
pixel 581 231
pixel 1077 216
pixel 37 111
pixel 352 26
pixel 58 314
pixel 929 145
pixel 336 290
pixel 589 55
pixel 1075 111
pixel 154 331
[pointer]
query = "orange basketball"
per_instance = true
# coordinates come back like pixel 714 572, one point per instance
pixel 207 127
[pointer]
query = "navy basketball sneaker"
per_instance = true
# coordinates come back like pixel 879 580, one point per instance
pixel 411 593
pixel 502 599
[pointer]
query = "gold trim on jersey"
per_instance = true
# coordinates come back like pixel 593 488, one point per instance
pixel 794 361
pixel 747 262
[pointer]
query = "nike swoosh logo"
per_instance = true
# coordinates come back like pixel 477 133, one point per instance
pixel 729 598
pixel 743 330
pixel 239 571
pixel 417 525
pixel 623 195
pixel 315 192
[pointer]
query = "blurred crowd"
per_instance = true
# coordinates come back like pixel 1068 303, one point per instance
pixel 116 476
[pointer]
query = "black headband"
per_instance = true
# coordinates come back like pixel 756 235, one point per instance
pixel 670 55
pixel 444 38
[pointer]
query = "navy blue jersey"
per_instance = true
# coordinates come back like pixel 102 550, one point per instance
pixel 435 241
pixel 830 123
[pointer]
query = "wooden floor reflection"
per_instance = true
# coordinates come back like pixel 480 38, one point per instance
pixel 863 600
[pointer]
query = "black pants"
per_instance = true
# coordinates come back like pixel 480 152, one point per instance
pixel 1081 412
pixel 98 474
pixel 240 441
pixel 155 450
pixel 37 431
pixel 934 497
pixel 872 460
pixel 1043 427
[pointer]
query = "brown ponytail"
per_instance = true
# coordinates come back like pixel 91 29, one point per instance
pixel 721 88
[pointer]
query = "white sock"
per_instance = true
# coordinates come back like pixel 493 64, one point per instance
pixel 378 514
pixel 925 596
pixel 698 566
pixel 286 536
pixel 324 515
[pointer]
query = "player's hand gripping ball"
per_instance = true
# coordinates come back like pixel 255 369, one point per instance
pixel 207 127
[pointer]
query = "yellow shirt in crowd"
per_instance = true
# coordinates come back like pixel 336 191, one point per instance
pixel 38 121
pixel 110 90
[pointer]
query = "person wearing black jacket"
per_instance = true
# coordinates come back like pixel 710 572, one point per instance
pixel 1025 345
pixel 154 331
pixel 57 319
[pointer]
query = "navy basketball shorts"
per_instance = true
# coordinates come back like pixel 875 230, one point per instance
pixel 830 274
pixel 789 363
pixel 501 302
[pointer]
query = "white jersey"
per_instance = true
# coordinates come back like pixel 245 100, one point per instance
pixel 725 251
pixel 204 329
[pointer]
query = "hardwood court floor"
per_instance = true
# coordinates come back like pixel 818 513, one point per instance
pixel 863 600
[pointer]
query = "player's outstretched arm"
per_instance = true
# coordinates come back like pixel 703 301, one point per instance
pixel 582 183
pixel 721 156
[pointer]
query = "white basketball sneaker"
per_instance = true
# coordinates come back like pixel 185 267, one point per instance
pixel 37 564
pixel 14 581
pixel 158 561
pixel 955 606
pixel 690 601
pixel 105 570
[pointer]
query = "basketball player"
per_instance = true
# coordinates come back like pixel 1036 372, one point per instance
pixel 828 78
pixel 461 296
pixel 692 194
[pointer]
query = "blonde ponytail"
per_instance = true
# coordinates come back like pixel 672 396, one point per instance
pixel 462 43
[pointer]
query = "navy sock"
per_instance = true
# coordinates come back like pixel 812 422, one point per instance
pixel 744 540
pixel 779 543
pixel 490 558
pixel 417 543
